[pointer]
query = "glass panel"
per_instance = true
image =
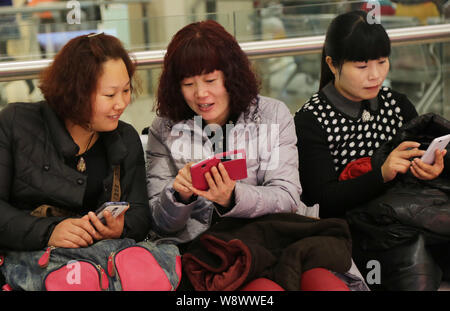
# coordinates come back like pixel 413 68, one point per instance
pixel 140 112
pixel 163 28
pixel 291 79
pixel 287 19
pixel 35 40
pixel 420 71
pixel 19 91
pixel 38 28
pixel 33 33
pixel 279 20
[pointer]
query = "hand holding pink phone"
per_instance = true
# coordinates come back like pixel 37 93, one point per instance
pixel 233 161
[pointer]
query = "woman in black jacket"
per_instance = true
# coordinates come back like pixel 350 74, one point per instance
pixel 344 124
pixel 351 116
pixel 62 152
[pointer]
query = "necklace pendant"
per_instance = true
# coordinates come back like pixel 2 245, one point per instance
pixel 366 115
pixel 81 165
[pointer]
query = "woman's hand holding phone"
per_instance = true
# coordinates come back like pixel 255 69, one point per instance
pixel 221 186
pixel 113 226
pixel 183 183
pixel 431 164
pixel 73 233
pixel 426 171
pixel 82 232
pixel 399 161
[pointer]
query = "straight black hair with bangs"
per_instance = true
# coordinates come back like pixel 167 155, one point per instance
pixel 350 37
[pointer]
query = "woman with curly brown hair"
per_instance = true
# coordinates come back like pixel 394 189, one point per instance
pixel 61 152
pixel 208 103
pixel 207 86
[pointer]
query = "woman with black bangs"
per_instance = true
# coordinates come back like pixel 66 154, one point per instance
pixel 343 125
pixel 351 116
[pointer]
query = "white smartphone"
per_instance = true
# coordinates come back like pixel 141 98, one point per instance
pixel 438 143
pixel 115 208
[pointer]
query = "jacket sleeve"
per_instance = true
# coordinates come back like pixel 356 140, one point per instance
pixel 137 218
pixel 280 189
pixel 18 229
pixel 168 215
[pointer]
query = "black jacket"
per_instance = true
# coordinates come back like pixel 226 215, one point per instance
pixel 401 227
pixel 410 206
pixel 33 145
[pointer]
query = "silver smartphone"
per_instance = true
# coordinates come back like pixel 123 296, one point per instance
pixel 115 208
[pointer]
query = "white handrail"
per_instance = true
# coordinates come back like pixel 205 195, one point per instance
pixel 10 71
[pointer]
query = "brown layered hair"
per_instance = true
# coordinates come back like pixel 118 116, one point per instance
pixel 69 83
pixel 200 48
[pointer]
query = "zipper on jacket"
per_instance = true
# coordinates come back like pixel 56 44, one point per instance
pixel 45 258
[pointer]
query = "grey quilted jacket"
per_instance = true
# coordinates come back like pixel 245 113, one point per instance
pixel 267 134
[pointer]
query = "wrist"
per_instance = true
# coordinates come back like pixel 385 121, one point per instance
pixel 385 174
pixel 227 204
pixel 185 198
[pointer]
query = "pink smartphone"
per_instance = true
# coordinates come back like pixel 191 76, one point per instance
pixel 233 161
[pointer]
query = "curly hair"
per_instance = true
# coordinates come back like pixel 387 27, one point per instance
pixel 69 83
pixel 200 48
